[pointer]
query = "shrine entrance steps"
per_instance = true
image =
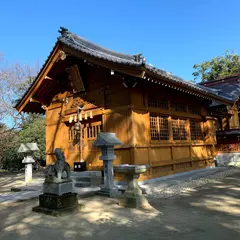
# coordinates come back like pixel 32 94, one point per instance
pixel 86 179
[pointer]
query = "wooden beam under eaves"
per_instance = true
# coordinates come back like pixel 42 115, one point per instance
pixel 48 78
pixel 37 100
pixel 129 70
pixel 50 62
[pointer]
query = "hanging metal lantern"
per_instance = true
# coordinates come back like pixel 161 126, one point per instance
pixel 77 127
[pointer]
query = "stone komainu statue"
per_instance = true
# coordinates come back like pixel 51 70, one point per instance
pixel 60 171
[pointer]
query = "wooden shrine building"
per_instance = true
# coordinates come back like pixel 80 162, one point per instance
pixel 227 124
pixel 161 119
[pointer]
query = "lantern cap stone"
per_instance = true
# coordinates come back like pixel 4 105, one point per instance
pixel 28 147
pixel 106 139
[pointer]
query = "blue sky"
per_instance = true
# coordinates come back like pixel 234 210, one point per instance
pixel 171 34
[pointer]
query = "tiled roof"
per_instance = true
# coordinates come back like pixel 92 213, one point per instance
pixel 228 132
pixel 97 51
pixel 188 84
pixel 228 86
pixel 137 61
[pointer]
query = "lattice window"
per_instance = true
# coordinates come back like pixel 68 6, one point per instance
pixel 196 130
pixel 73 135
pixel 159 127
pixel 179 129
pixel 93 129
pixel 178 107
pixel 157 103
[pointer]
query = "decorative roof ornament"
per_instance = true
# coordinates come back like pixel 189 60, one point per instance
pixel 140 58
pixel 63 31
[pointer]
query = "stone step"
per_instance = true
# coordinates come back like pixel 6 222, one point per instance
pixel 93 180
pixel 81 179
pixel 86 179
pixel 82 184
pixel 86 174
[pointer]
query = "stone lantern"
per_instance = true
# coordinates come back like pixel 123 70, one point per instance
pixel 106 142
pixel 28 150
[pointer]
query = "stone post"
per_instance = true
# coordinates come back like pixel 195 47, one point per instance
pixel 28 149
pixel 28 168
pixel 106 142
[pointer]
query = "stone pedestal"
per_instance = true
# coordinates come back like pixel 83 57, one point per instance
pixel 57 197
pixel 57 188
pixel 57 205
pixel 132 198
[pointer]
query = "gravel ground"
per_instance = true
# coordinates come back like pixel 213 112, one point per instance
pixel 156 190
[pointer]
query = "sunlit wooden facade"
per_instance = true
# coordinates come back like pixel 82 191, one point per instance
pixel 162 120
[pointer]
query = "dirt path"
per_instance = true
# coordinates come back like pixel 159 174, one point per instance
pixel 209 212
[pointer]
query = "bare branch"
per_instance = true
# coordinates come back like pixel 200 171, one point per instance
pixel 14 81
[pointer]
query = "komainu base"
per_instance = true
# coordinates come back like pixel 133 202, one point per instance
pixel 57 205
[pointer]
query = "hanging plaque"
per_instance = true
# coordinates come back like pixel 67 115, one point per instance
pixel 75 79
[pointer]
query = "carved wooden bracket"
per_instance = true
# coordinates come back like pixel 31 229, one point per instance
pixel 61 56
pixel 44 107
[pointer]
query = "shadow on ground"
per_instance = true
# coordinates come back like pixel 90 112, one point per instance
pixel 9 180
pixel 209 212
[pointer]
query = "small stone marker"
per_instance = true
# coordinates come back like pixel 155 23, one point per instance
pixel 28 149
pixel 132 198
pixel 106 142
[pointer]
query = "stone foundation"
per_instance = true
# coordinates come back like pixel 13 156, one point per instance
pixel 57 205
pixel 58 188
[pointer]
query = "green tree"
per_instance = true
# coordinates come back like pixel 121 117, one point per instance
pixel 6 138
pixel 219 66
pixel 32 130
